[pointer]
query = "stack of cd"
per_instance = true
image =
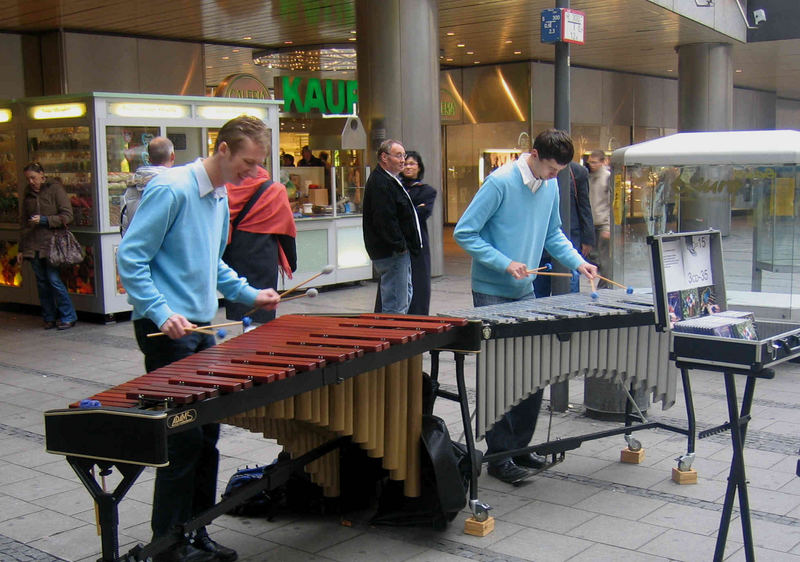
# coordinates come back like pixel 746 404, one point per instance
pixel 726 324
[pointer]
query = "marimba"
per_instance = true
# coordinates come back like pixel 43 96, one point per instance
pixel 530 344
pixel 304 380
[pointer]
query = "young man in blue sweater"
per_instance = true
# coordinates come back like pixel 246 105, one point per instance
pixel 170 263
pixel 511 219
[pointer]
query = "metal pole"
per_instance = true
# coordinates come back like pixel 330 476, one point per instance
pixel 559 392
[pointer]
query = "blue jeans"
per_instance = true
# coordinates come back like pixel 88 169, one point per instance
pixel 515 429
pixel 56 304
pixel 396 288
pixel 187 486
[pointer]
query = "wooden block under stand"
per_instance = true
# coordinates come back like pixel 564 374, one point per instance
pixel 479 528
pixel 632 457
pixel 684 476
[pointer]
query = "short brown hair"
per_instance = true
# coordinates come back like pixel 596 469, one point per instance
pixel 237 129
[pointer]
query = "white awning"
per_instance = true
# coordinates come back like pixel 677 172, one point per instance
pixel 721 147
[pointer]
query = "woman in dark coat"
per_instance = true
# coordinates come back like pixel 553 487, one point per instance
pixel 423 197
pixel 46 207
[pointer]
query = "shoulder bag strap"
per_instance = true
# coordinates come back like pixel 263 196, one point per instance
pixel 251 202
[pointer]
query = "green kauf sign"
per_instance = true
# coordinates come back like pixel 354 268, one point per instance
pixel 308 95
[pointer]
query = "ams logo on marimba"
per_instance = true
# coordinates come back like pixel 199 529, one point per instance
pixel 181 419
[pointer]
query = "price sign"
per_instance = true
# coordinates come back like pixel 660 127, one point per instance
pixel 687 263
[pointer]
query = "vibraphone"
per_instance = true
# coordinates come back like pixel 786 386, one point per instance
pixel 527 345
pixel 304 380
pixel 530 344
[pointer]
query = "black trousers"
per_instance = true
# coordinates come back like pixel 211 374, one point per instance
pixel 188 485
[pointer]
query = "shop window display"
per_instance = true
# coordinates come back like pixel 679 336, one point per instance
pixel 66 155
pixel 10 272
pixel 9 198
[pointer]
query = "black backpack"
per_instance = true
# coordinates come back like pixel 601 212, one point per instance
pixel 445 481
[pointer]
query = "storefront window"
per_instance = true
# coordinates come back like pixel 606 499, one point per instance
pixel 126 151
pixel 9 197
pixel 65 153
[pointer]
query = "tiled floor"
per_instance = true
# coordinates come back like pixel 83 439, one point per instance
pixel 588 508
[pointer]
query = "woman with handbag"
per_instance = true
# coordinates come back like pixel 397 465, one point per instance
pixel 45 209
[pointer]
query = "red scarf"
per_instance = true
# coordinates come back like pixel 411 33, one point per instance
pixel 271 214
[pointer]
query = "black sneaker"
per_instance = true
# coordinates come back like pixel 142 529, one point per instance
pixel 531 460
pixel 185 553
pixel 203 542
pixel 508 472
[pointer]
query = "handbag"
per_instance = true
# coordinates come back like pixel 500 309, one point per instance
pixel 64 248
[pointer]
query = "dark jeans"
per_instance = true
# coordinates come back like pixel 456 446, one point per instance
pixel 515 429
pixel 188 485
pixel 53 295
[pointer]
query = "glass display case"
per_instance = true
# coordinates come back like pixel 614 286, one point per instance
pixel 94 143
pixel 743 183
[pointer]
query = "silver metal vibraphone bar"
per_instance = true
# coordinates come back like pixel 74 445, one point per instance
pixel 527 345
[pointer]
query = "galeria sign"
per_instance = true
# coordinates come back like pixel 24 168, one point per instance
pixel 306 95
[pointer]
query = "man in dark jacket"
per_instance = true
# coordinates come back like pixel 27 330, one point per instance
pixel 581 231
pixel 391 227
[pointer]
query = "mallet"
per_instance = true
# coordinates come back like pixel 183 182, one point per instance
pixel 310 293
pixel 545 267
pixel 628 289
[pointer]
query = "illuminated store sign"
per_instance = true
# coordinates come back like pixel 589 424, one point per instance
pixel 57 111
pixel 159 110
pixel 307 95
pixel 242 86
pixel 226 112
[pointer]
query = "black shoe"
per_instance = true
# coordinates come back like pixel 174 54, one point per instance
pixel 203 542
pixel 185 553
pixel 531 460
pixel 49 324
pixel 508 472
pixel 65 325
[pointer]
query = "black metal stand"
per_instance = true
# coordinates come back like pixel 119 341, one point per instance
pixel 739 417
pixel 274 476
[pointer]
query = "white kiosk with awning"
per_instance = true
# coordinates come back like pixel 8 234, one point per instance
pixel 743 183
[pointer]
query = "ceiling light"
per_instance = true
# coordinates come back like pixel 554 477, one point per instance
pixel 669 70
pixel 226 58
pixel 353 31
pixel 517 52
pixel 476 62
pixel 450 33
pixel 508 41
pixel 247 38
pixel 739 70
pixel 460 45
pixel 470 52
pixel 310 57
pixel 351 38
pixel 235 50
pixel 448 59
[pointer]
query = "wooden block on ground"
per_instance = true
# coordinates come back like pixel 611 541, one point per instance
pixel 684 476
pixel 479 528
pixel 633 457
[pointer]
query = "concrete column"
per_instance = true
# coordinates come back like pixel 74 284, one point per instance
pixel 705 103
pixel 398 81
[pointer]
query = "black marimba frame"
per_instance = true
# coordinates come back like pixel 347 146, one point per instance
pixel 557 446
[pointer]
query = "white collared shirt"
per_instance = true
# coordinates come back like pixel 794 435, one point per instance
pixel 204 182
pixel 528 178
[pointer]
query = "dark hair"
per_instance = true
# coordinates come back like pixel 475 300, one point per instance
pixel 415 155
pixel 159 150
pixel 237 129
pixel 33 167
pixel 554 144
pixel 288 158
pixel 597 154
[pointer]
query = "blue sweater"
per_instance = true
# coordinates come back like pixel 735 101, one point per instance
pixel 506 222
pixel 170 260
